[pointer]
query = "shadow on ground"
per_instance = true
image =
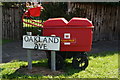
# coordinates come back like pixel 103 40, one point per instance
pixel 41 69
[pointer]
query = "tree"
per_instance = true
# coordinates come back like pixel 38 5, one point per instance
pixel 54 9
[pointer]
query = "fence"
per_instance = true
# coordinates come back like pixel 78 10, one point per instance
pixel 104 17
pixel 11 23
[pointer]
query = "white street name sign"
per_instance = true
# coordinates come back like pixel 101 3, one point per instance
pixel 41 42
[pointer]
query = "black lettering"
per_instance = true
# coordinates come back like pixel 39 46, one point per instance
pixel 44 40
pixel 50 40
pixel 35 39
pixel 31 39
pixel 45 46
pixel 26 38
pixel 39 38
pixel 36 46
pixel 56 40
pixel 40 46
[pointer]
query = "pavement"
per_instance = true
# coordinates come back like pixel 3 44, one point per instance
pixel 14 51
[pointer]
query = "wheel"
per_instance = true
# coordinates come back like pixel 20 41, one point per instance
pixel 59 62
pixel 80 61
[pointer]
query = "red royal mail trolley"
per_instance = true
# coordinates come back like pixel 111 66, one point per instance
pixel 76 38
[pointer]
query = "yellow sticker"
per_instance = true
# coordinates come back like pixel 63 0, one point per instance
pixel 71 40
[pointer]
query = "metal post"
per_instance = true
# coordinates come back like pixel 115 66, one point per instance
pixel 53 61
pixel 29 57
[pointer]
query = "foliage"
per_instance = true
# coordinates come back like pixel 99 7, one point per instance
pixel 59 9
pixel 12 4
pixel 101 65
pixel 56 9
pixel 21 5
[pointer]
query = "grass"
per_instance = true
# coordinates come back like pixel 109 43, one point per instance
pixel 4 41
pixel 101 65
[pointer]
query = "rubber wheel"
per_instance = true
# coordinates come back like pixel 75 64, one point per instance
pixel 80 61
pixel 59 62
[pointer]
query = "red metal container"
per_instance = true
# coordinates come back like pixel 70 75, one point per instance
pixel 76 35
pixel 34 12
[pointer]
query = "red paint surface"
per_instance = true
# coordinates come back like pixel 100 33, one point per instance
pixel 34 12
pixel 80 30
